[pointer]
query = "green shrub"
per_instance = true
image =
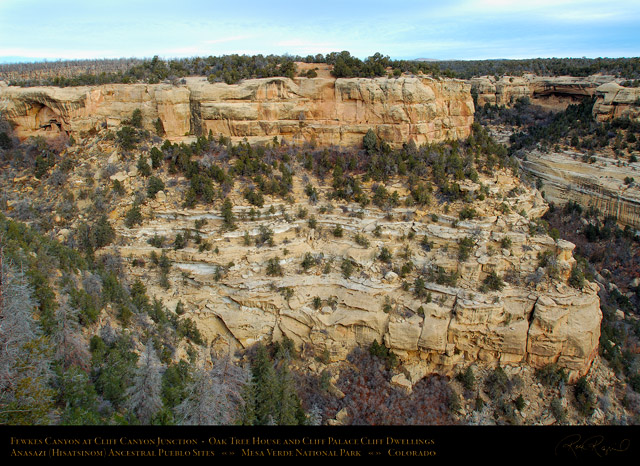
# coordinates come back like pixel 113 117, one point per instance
pixel 585 397
pixel 154 186
pixel 133 216
pixel 384 353
pixel 347 266
pixel 465 246
pixel 467 378
pixel 551 375
pixel 385 255
pixel 274 268
pixel 492 282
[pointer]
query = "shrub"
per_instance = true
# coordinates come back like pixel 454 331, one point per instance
pixel 551 375
pixel 585 397
pixel 361 240
pixel 464 248
pixel 265 236
pixel 228 218
pixel 467 378
pixel 385 255
pixel 497 383
pixel 558 411
pixel 133 216
pixel 576 279
pixel 127 137
pixel 382 352
pixel 157 157
pixel 467 213
pixel 143 167
pixel 308 261
pixel 136 118
pixel 154 186
pixel 347 267
pixel 492 282
pixel 274 268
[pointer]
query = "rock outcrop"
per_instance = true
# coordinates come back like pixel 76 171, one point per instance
pixel 323 110
pixel 615 101
pixel 554 93
pixel 601 184
pixel 532 320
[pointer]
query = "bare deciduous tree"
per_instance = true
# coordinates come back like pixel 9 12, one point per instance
pixel 145 395
pixel 25 372
pixel 215 395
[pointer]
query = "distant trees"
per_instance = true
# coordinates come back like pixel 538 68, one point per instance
pixel 233 68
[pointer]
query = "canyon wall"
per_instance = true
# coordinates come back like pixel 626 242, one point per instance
pixel 601 184
pixel 535 319
pixel 322 110
pixel 556 93
pixel 564 174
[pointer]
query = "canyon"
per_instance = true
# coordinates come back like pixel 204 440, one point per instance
pixel 598 180
pixel 536 318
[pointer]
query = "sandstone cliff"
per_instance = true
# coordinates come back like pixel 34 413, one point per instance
pixel 615 101
pixel 236 302
pixel 600 184
pixel 553 93
pixel 323 109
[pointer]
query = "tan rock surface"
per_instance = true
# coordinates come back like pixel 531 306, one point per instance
pixel 548 322
pixel 324 110
pixel 601 184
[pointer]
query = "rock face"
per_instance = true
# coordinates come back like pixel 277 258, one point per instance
pixel 322 110
pixel 237 302
pixel 601 184
pixel 552 92
pixel 615 101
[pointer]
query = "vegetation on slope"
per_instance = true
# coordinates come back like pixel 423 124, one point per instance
pixel 126 358
pixel 233 68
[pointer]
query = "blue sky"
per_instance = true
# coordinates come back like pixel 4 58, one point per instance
pixel 457 29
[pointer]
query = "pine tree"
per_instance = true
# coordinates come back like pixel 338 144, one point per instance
pixel 271 397
pixel 265 387
pixel 288 405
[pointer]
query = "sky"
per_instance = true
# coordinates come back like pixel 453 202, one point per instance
pixel 35 30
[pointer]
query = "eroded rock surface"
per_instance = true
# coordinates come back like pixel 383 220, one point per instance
pixel 533 319
pixel 556 93
pixel 323 110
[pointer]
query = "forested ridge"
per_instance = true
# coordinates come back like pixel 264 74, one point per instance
pixel 233 68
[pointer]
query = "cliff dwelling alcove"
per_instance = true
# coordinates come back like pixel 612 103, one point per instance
pixel 41 118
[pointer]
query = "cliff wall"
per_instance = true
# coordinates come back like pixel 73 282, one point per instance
pixel 325 110
pixel 600 184
pixel 556 93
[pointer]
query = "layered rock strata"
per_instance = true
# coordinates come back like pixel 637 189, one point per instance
pixel 615 101
pixel 323 110
pixel 600 184
pixel 556 93
pixel 235 300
